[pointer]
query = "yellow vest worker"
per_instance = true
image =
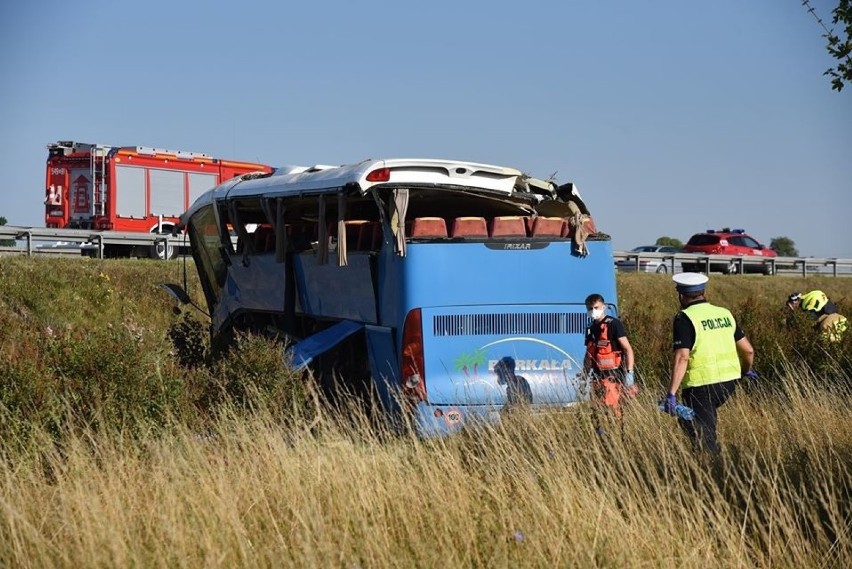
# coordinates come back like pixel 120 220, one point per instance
pixel 816 304
pixel 710 353
pixel 713 356
pixel 832 326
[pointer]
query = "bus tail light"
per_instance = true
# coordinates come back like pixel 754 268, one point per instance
pixel 413 369
pixel 379 175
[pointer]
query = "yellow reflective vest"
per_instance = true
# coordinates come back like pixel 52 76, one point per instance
pixel 713 358
pixel 832 326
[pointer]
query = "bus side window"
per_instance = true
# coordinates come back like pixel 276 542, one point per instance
pixel 300 236
pixel 264 239
pixel 370 236
pixel 353 233
pixel 469 227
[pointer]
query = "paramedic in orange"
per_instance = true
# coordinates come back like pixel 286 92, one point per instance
pixel 609 356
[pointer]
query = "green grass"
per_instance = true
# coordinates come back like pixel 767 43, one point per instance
pixel 95 344
pixel 118 448
pixel 648 303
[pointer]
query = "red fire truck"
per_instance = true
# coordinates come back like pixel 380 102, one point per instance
pixel 129 188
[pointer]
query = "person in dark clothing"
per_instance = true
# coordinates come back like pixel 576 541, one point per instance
pixel 609 357
pixel 518 390
pixel 711 352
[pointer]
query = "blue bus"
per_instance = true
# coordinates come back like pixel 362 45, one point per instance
pixel 447 289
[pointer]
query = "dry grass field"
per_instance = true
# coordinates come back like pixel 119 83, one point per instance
pixel 223 470
pixel 537 491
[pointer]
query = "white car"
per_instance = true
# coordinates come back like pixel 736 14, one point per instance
pixel 648 265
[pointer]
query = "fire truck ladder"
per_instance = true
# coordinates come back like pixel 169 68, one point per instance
pixel 98 166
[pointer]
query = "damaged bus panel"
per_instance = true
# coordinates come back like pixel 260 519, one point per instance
pixel 418 281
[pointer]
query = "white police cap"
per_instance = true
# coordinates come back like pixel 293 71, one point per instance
pixel 690 282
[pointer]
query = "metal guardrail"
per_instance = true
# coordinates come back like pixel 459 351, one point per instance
pixel 772 265
pixel 96 240
pixel 88 239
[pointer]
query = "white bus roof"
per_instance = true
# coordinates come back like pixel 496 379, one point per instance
pixel 296 180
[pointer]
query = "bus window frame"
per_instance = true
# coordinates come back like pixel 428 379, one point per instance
pixel 211 259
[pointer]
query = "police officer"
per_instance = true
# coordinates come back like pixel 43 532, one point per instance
pixel 710 353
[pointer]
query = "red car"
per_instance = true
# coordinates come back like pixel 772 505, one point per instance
pixel 727 242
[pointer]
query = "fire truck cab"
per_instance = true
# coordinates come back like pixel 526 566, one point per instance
pixel 129 188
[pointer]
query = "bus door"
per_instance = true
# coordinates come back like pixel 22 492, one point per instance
pixel 384 367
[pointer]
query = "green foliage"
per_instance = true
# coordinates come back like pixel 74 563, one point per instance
pixel 114 377
pixel 784 246
pixel 5 242
pixel 669 241
pixel 95 344
pixel 839 44
pixel 94 368
pixel 253 376
pixel 190 341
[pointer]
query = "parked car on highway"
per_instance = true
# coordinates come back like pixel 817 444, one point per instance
pixel 727 242
pixel 648 265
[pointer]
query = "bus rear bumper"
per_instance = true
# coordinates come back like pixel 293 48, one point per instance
pixel 441 420
pixel 432 421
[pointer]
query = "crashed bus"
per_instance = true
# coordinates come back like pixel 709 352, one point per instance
pixel 408 279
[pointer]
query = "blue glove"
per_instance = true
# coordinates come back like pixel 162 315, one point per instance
pixel 750 374
pixel 670 404
pixel 628 379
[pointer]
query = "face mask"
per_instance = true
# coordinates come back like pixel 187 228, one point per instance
pixel 596 313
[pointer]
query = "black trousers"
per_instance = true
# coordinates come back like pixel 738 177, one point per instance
pixel 705 400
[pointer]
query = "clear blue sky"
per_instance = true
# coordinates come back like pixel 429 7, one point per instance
pixel 670 116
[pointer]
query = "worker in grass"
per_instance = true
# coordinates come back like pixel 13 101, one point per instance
pixel 815 304
pixel 609 357
pixel 711 353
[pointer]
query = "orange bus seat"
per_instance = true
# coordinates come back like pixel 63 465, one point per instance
pixel 428 228
pixel 469 227
pixel 547 226
pixel 508 226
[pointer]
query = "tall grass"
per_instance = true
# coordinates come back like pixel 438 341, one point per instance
pixel 89 344
pixel 122 443
pixel 534 491
pixel 647 304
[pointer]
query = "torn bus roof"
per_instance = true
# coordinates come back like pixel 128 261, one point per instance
pixel 305 180
pixel 401 170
